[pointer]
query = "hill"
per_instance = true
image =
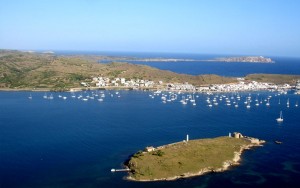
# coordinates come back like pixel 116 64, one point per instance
pixel 23 70
pixel 273 78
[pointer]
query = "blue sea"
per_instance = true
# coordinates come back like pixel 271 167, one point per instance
pixel 74 143
pixel 282 65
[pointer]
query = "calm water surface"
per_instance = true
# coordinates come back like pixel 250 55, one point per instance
pixel 75 143
pixel 282 65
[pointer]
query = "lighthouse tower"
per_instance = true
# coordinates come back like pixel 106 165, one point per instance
pixel 187 138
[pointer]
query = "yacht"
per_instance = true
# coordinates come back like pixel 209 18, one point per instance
pixel 280 119
pixel 268 103
pixel 192 99
pixel 248 105
pixel 50 97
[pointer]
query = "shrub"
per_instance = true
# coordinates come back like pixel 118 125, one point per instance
pixel 158 153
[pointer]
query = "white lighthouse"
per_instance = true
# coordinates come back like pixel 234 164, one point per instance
pixel 187 138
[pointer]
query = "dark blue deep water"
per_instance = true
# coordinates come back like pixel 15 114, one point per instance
pixel 75 143
pixel 235 69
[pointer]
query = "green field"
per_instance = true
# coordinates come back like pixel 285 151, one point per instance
pixel 184 158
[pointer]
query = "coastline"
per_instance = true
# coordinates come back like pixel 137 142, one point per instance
pixel 254 142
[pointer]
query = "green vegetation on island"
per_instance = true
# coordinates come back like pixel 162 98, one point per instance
pixel 186 159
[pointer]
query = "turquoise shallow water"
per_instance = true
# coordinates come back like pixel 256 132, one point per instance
pixel 75 143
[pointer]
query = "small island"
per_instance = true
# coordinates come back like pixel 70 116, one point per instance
pixel 189 158
pixel 246 59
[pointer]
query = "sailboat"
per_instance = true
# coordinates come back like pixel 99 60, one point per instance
pixel 268 103
pixel 30 97
pixel 296 105
pixel 248 105
pixel 280 119
pixel 288 103
pixel 192 99
pixel 45 96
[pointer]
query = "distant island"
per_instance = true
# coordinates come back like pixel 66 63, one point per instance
pixel 246 59
pixel 243 59
pixel 189 158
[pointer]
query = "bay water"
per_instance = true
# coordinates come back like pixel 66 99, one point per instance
pixel 75 143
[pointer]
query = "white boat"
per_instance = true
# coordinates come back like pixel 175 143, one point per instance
pixel 193 99
pixel 169 99
pixel 268 103
pixel 280 119
pixel 288 103
pixel 50 97
pixel 30 97
pixel 248 105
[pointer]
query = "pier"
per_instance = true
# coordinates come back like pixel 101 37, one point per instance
pixel 120 170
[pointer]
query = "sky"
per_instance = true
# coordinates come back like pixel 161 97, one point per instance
pixel 245 27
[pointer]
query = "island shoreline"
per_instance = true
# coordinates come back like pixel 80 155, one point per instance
pixel 235 161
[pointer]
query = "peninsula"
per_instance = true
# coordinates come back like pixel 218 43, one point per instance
pixel 189 158
pixel 242 59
